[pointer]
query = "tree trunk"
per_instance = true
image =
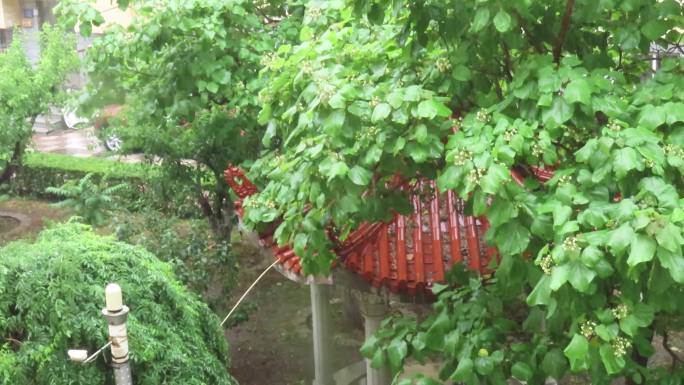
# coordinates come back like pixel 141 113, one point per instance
pixel 13 163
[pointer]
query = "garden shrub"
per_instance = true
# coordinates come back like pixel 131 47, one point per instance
pixel 197 257
pixel 51 298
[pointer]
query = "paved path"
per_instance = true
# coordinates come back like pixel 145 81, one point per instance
pixel 82 143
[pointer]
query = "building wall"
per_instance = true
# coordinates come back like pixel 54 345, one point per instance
pixel 10 13
pixel 112 15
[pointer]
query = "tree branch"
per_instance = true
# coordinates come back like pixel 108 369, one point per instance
pixel 526 32
pixel 565 24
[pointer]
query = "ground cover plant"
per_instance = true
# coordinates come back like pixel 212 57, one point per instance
pixel 53 292
pixel 462 92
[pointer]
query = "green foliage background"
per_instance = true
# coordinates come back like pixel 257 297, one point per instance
pixel 51 300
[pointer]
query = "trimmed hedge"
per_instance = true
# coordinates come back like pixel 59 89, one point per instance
pixel 101 166
pixel 51 297
pixel 42 170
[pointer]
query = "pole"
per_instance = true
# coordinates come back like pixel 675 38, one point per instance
pixel 320 317
pixel 116 313
pixel 374 309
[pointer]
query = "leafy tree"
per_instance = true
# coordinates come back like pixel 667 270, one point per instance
pixel 187 72
pixel 591 261
pixel 26 91
pixel 51 301
pixel 89 200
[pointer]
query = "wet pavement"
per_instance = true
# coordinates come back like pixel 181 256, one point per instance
pixel 50 135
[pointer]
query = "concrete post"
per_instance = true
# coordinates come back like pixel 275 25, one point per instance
pixel 116 313
pixel 374 310
pixel 322 339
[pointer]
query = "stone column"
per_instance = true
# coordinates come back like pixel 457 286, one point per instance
pixel 322 338
pixel 374 310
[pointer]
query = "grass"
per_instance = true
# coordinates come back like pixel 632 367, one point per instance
pixel 109 167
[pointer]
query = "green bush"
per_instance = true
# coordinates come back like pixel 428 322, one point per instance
pixel 51 297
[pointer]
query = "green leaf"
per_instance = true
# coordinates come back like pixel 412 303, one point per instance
pixel 580 276
pixel 555 364
pixel 360 175
pixel 512 238
pixel 673 262
pixel 484 365
pixel 495 177
pixel 334 122
pixel 464 370
pixel 431 108
pixel 620 238
pixel 642 250
pixel 502 21
pixel 396 352
pixel 541 294
pixel 212 87
pixel 655 29
pixel 577 352
pixel 521 371
pixel 611 362
pixel 305 33
pixel 480 20
pixel 381 112
pixel 559 113
pixel 625 160
pixel 669 237
pixel 461 73
pixel 264 115
pixel 578 91
pixel 652 116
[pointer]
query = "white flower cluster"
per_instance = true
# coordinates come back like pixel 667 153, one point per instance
pixel 570 244
pixel 463 157
pixel 537 150
pixel 483 116
pixel 510 133
pixel 671 150
pixel 443 65
pixel 367 133
pixel 614 126
pixel 588 329
pixel 475 175
pixel 620 346
pixel 253 203
pixel 620 311
pixel 565 179
pixel 547 264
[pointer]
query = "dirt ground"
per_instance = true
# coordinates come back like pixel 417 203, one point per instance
pixel 39 214
pixel 274 345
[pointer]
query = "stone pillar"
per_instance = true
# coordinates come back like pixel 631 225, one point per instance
pixel 322 338
pixel 374 310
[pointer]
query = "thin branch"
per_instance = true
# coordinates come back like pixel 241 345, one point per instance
pixel 508 66
pixel 565 24
pixel 19 343
pixel 526 32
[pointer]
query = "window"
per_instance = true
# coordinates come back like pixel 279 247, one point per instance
pixel 28 13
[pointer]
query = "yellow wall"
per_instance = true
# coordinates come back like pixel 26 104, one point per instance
pixel 112 14
pixel 10 13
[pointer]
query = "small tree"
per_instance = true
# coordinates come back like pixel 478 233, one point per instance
pixel 26 91
pixel 187 73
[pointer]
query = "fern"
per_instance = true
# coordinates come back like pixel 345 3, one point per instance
pixel 89 200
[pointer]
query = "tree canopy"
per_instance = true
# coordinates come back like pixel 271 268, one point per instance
pixel 373 92
pixel 187 73
pixel 26 90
